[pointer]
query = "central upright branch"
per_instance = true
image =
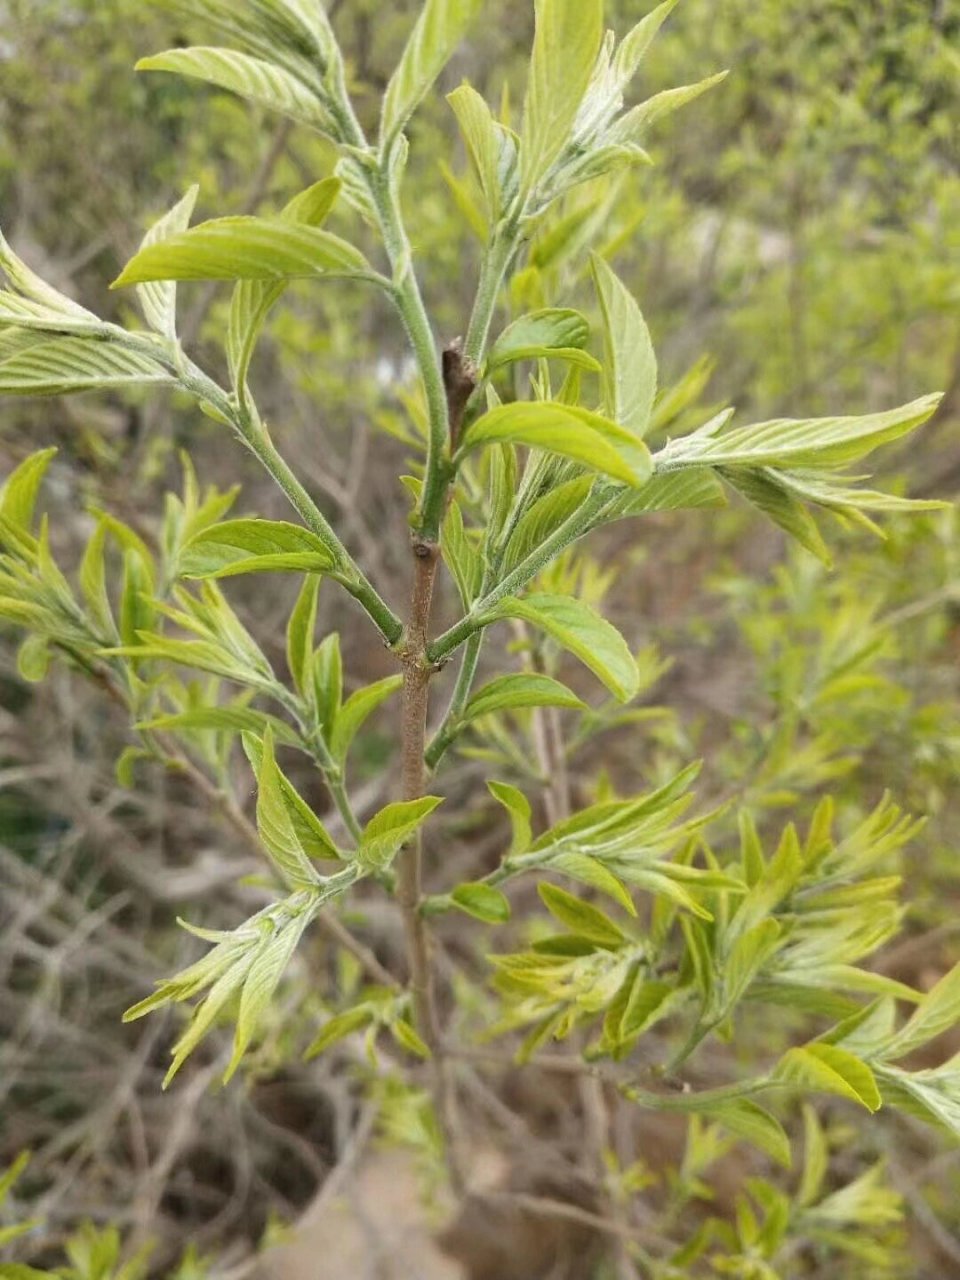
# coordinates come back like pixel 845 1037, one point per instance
pixel 459 381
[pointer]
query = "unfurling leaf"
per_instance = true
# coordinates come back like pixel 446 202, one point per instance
pixel 565 49
pixel 438 30
pixel 159 299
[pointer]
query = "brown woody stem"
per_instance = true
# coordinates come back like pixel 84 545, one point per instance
pixel 417 671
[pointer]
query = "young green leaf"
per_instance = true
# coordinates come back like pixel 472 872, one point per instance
pixel 18 497
pixel 787 442
pixel 635 44
pixel 632 127
pixel 630 366
pixel 762 489
pixel 339 1027
pixel 581 918
pixel 753 1123
pixel 438 30
pixel 62 365
pixel 580 629
pixel 939 1011
pixel 385 834
pixel 478 128
pixel 586 437
pixel 300 632
pixel 159 299
pixel 518 807
pixel 546 515
pixel 254 546
pixel 482 901
pixel 253 299
pixel 235 719
pixel 245 248
pixel 565 48
pixel 281 823
pixel 350 718
pixel 511 693
pixel 557 333
pixel 259 81
pixel 831 1070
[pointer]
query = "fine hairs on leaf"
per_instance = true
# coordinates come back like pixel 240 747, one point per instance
pixel 627 922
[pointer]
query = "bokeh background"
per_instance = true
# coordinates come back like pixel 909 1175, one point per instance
pixel 796 250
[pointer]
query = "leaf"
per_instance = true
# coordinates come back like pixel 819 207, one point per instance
pixel 62 365
pixel 512 692
pixel 439 29
pixel 518 807
pixel 590 871
pixel 260 81
pixel 814 442
pixel 254 546
pixel 355 711
pixel 635 44
pixel 159 300
pixel 18 497
pixel 939 1011
pixel 931 1096
pixel 753 1123
pixel 827 1068
pixel 482 901
pixel 262 980
pixel 338 1028
pixel 301 627
pixel 671 491
pixel 585 437
pixel 253 299
pixel 387 832
pixel 633 126
pixel 565 48
pixel 816 1158
pixel 245 248
pixel 407 1038
pixel 580 629
pixel 630 366
pixel 224 720
pixel 327 682
pixel 762 490
pixel 555 332
pixel 581 918
pixel 649 1001
pixel 461 555
pixel 479 133
pixel 545 516
pixel 283 823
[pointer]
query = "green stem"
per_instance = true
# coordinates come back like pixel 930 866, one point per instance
pixel 496 259
pixel 581 522
pixel 448 729
pixel 330 770
pixel 257 440
pixel 702 1100
pixel 409 300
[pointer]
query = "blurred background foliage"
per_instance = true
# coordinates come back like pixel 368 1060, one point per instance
pixel 796 251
